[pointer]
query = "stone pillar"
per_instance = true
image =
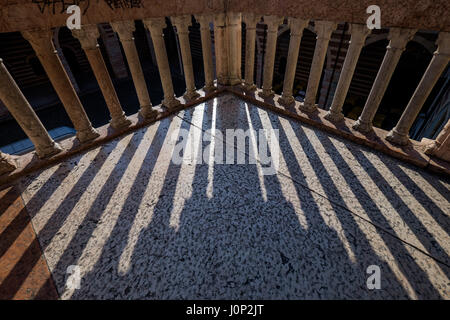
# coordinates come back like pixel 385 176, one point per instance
pixel 269 60
pixel 125 31
pixel 156 26
pixel 88 35
pixel 63 59
pixel 359 34
pixel 234 28
pixel 250 37
pixel 398 39
pixel 323 30
pixel 296 26
pixel 205 34
pixel 440 147
pixel 42 44
pixel 399 134
pixel 221 48
pixel 182 24
pixel 7 163
pixel 24 114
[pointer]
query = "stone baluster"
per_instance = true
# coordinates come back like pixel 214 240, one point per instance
pixel 296 26
pixel 156 26
pixel 87 36
pixel 323 30
pixel 250 20
pixel 440 147
pixel 359 34
pixel 42 44
pixel 399 134
pixel 221 48
pixel 182 24
pixel 125 31
pixel 7 163
pixel 24 114
pixel 234 28
pixel 398 39
pixel 269 60
pixel 205 34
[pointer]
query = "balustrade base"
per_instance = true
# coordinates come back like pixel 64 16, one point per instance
pixel 266 93
pixel 209 89
pixel 171 103
pixel 397 138
pixel 49 151
pixel 432 146
pixel 120 123
pixel 7 163
pixel 148 113
pixel 334 117
pixel 249 87
pixel 286 100
pixel 364 127
pixel 309 108
pixel 191 95
pixel 87 135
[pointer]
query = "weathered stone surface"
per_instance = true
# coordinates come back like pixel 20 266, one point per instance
pixel 426 14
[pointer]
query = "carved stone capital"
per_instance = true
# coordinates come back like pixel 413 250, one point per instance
pixel 124 29
pixel 399 38
pixel 87 35
pixel 41 41
pixel 273 22
pixel 204 20
pixel 7 163
pixel 324 29
pixel 359 33
pixel 155 24
pixel 182 23
pixel 219 20
pixel 250 20
pixel 443 43
pixel 297 25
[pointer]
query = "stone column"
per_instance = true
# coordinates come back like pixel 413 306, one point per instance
pixel 125 31
pixel 42 44
pixel 205 34
pixel 234 28
pixel 269 60
pixel 359 34
pixel 24 114
pixel 7 163
pixel 88 35
pixel 324 30
pixel 399 134
pixel 221 48
pixel 296 26
pixel 156 26
pixel 182 24
pixel 440 147
pixel 398 39
pixel 250 37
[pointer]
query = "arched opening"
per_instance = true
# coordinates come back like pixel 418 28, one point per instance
pixel 406 77
pixel 366 70
pixel 36 66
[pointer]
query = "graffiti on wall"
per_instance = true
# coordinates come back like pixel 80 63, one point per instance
pixel 60 6
pixel 124 4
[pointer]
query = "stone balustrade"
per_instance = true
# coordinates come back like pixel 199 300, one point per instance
pixel 227 28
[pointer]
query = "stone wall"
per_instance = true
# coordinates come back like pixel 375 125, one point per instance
pixel 30 14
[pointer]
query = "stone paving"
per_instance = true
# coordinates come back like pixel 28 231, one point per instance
pixel 140 226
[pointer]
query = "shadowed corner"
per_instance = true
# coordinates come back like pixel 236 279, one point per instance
pixel 24 273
